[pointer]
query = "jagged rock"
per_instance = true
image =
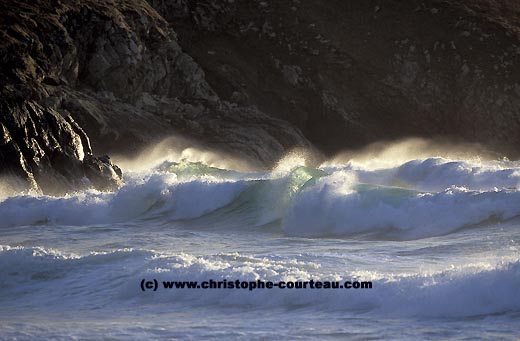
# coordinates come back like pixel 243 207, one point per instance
pixel 118 75
pixel 101 172
pixel 13 163
pixel 46 151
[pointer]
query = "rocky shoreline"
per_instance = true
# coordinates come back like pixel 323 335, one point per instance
pixel 254 78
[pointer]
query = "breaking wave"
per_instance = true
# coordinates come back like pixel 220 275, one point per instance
pixel 463 291
pixel 417 199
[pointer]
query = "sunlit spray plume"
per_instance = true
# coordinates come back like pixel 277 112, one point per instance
pixel 179 149
pixel 12 185
pixel 390 154
pixel 296 158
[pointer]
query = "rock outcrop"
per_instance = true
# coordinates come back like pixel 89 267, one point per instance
pixel 47 152
pixel 114 72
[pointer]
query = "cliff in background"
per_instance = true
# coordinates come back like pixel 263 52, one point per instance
pixel 255 78
pixel 348 73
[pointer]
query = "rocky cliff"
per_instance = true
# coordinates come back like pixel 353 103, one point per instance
pixel 348 73
pixel 110 74
pixel 256 78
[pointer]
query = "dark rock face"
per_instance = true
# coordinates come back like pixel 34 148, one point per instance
pixel 43 148
pixel 49 152
pixel 121 74
pixel 13 162
pixel 101 172
pixel 348 73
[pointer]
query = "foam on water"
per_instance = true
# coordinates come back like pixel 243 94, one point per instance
pixel 438 238
pixel 465 291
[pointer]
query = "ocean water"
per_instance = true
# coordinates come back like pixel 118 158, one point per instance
pixel 438 238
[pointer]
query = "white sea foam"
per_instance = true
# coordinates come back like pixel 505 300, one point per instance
pixel 432 234
pixel 466 291
pixel 156 193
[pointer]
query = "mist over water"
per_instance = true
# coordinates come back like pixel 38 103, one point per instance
pixel 435 229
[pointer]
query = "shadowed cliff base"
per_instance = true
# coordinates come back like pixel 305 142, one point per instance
pixel 255 79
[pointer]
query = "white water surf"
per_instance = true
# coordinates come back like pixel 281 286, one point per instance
pixel 437 237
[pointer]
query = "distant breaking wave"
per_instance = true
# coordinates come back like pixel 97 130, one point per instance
pixel 416 199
